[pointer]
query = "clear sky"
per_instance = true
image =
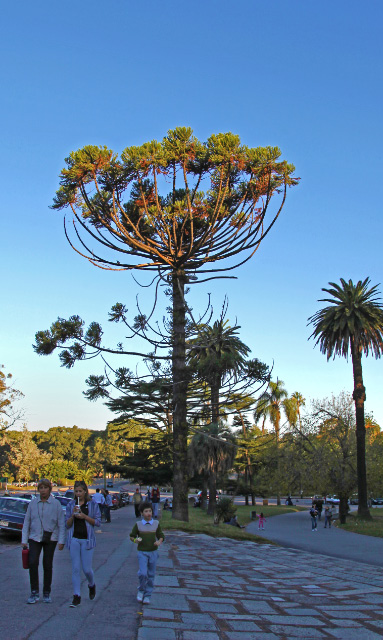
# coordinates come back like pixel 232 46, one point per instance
pixel 304 76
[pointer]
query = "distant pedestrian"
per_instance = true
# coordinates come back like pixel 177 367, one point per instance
pixel 155 500
pixel 107 506
pixel 137 499
pixel 100 500
pixel 43 528
pixel 319 507
pixel 261 521
pixel 327 517
pixel 82 516
pixel 313 514
pixel 148 535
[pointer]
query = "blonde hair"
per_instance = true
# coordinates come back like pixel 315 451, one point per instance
pixel 44 482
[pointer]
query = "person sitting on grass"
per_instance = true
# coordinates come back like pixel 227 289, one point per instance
pixel 234 522
pixel 148 536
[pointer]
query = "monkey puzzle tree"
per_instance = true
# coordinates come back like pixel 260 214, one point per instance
pixel 216 209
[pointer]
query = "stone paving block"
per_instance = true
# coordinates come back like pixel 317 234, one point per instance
pixel 355 615
pixel 216 607
pixel 166 581
pixel 159 613
pixel 243 625
pixel 197 618
pixel 245 635
pixel 165 624
pixel 179 591
pixel 296 620
pixel 354 634
pixel 346 623
pixel 297 632
pixel 196 635
pixel 257 606
pixel 163 600
pixel 149 633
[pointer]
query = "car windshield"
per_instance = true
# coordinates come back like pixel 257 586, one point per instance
pixel 7 505
pixel 63 500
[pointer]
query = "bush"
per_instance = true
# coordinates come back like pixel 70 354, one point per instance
pixel 225 509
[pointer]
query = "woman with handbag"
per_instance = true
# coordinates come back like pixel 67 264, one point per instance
pixel 82 516
pixel 43 528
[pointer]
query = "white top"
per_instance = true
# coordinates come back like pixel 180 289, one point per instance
pixel 99 498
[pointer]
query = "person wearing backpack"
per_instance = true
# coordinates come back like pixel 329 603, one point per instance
pixel 314 515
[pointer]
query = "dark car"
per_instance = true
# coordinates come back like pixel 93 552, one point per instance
pixel 69 493
pixel 12 513
pixel 109 483
pixel 376 500
pixel 63 501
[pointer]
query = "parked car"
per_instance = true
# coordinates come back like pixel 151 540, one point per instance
pixel 12 513
pixel 125 497
pixel 354 499
pixel 116 501
pixel 376 500
pixel 332 499
pixel 63 501
pixel 69 493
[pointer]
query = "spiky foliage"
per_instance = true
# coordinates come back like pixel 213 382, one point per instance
pixel 215 210
pixel 353 319
pixel 352 323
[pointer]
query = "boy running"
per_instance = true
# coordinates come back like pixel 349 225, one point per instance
pixel 148 535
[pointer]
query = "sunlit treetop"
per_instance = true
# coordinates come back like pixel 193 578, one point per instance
pixel 178 204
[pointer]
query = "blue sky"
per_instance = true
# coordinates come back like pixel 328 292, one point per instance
pixel 306 77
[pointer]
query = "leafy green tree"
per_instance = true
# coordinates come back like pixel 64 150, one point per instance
pixel 66 443
pixel 25 458
pixel 216 210
pixel 352 323
pixel 9 415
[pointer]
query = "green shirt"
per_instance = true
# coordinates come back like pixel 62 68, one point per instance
pixel 149 532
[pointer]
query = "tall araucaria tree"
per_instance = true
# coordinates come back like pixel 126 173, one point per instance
pixel 217 209
pixel 352 323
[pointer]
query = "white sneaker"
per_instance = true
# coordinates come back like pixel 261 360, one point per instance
pixel 140 596
pixel 146 600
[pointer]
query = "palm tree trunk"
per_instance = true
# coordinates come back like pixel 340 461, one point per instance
pixel 214 390
pixel 359 396
pixel 204 492
pixel 278 480
pixel 180 428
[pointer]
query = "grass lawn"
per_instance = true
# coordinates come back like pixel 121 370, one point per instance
pixel 372 527
pixel 200 522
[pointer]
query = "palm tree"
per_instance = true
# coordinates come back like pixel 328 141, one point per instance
pixel 272 402
pixel 212 451
pixel 216 352
pixel 353 322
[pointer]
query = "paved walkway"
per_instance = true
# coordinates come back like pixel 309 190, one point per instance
pixel 294 530
pixel 220 589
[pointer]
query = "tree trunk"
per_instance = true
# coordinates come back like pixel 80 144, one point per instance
pixel 278 482
pixel 214 391
pixel 342 508
pixel 359 397
pixel 180 427
pixel 204 492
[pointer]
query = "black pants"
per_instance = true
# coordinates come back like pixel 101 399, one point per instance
pixel 137 509
pixel 34 558
pixel 107 512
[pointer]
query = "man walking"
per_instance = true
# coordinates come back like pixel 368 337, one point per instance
pixel 137 499
pixel 155 500
pixel 100 500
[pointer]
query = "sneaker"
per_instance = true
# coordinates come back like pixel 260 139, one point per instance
pixel 47 598
pixel 92 592
pixel 34 597
pixel 146 600
pixel 140 596
pixel 76 601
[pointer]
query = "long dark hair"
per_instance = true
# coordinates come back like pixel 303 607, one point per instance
pixel 81 483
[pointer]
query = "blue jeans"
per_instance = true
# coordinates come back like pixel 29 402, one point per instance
pixel 313 522
pixel 155 509
pixel 81 557
pixel 147 561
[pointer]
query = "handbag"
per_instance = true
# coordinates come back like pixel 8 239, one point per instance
pixel 25 558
